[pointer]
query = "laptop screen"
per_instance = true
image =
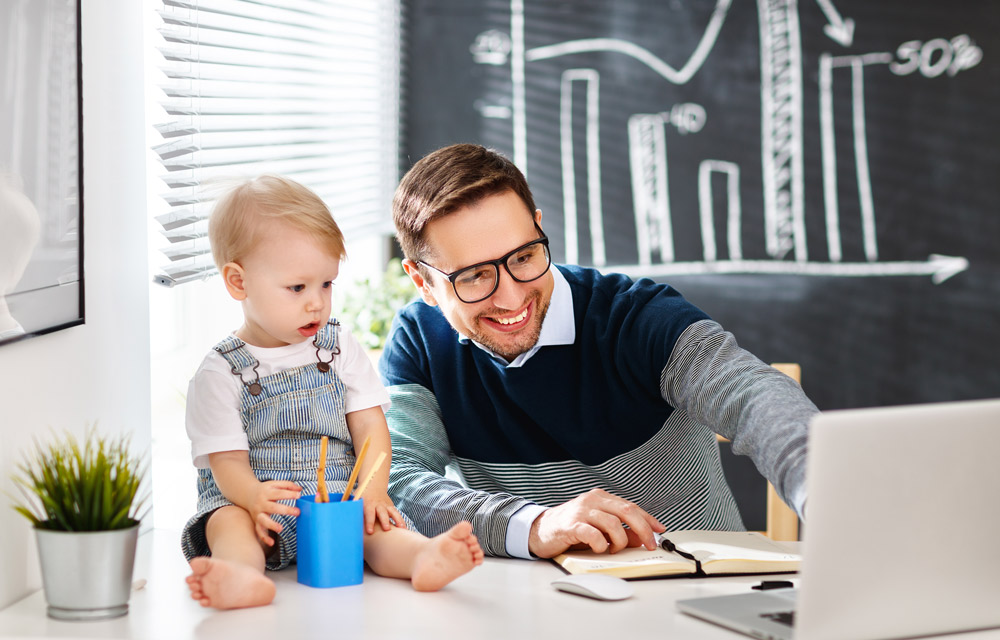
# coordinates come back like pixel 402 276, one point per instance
pixel 902 520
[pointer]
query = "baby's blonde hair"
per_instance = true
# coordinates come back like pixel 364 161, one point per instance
pixel 234 227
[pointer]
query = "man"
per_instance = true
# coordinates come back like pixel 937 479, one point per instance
pixel 572 409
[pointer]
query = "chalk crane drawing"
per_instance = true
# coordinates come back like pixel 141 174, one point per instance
pixel 781 145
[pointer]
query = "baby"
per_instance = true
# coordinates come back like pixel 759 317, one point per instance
pixel 262 399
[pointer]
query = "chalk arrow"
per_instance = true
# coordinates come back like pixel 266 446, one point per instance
pixel 938 267
pixel 839 30
pixel 946 266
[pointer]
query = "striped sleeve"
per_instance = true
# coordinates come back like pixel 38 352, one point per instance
pixel 763 411
pixel 675 476
pixel 417 483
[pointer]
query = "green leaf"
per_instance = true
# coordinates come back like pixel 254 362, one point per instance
pixel 71 486
pixel 27 514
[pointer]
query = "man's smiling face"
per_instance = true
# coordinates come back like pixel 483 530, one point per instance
pixel 509 321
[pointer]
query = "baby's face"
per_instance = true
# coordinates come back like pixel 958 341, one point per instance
pixel 288 279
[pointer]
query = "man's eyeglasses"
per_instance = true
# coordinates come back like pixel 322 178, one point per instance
pixel 476 283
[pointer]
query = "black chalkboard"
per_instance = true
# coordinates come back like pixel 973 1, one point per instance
pixel 855 229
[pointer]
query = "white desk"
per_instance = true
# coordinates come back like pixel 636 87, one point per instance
pixel 501 599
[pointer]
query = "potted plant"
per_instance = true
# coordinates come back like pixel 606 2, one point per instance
pixel 83 501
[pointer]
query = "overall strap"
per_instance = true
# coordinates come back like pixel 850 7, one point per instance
pixel 239 358
pixel 327 338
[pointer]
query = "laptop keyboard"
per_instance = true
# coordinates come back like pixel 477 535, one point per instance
pixel 782 617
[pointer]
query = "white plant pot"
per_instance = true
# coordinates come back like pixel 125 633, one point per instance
pixel 87 575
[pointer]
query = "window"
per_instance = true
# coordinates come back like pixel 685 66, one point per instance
pixel 308 89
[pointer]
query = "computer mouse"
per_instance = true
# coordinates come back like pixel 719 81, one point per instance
pixel 594 585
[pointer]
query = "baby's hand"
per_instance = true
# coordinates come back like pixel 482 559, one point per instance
pixel 379 506
pixel 265 503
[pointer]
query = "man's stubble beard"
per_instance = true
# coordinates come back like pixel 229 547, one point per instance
pixel 530 334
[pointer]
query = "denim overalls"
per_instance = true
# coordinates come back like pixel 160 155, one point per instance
pixel 284 415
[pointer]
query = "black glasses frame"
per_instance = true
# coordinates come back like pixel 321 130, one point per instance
pixel 544 241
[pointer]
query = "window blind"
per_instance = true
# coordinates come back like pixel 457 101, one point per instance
pixel 304 88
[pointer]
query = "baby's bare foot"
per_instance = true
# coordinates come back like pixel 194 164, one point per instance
pixel 446 557
pixel 228 585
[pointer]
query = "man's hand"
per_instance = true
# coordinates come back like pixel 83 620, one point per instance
pixel 593 520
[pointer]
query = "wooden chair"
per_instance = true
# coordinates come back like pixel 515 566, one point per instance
pixel 782 521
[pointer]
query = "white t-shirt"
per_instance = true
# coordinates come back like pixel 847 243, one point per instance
pixel 213 399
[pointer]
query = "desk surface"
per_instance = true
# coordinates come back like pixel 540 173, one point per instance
pixel 501 599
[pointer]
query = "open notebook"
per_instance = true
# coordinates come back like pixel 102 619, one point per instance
pixel 689 553
pixel 901 532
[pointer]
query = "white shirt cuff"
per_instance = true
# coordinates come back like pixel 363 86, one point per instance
pixel 519 528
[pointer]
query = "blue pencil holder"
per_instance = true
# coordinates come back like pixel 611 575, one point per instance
pixel 329 540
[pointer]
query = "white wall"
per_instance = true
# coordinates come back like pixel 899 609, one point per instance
pixel 98 371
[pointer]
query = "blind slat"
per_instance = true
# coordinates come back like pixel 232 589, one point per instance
pixel 345 61
pixel 245 164
pixel 355 106
pixel 261 140
pixel 188 232
pixel 238 33
pixel 203 70
pixel 221 42
pixel 360 175
pixel 185 88
pixel 189 249
pixel 209 123
pixel 301 12
pixel 204 183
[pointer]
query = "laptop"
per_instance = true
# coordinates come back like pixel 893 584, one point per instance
pixel 903 531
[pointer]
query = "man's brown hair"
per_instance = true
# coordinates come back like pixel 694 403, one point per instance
pixel 447 180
